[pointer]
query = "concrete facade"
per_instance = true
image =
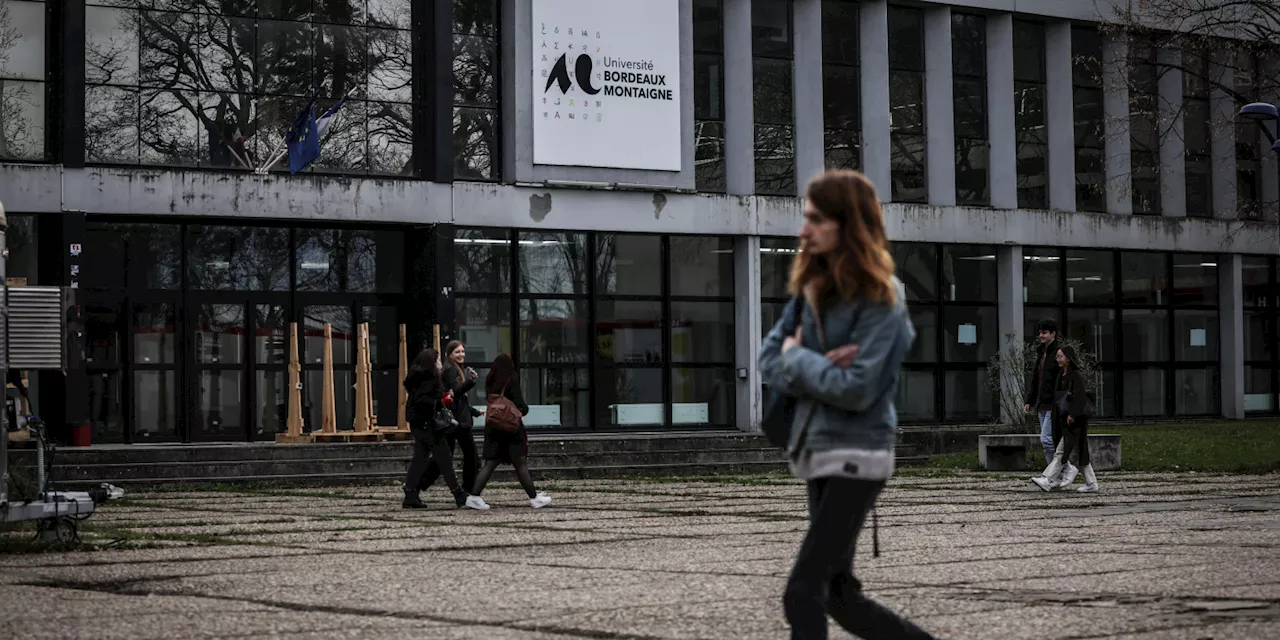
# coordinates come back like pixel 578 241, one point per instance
pixel 537 197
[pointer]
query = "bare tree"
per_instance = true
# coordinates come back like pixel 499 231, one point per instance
pixel 19 137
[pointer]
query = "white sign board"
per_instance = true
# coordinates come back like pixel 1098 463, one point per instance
pixel 606 84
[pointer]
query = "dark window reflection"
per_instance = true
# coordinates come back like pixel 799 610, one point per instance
pixel 553 263
pixel 628 264
pixel 968 398
pixel 1095 329
pixel 553 331
pixel 1090 277
pixel 708 95
pixel 1086 47
pixel 969 273
pixel 482 261
pixel 917 265
pixel 1144 278
pixel 1195 279
pixel 701 266
pixel 776 256
pixel 1146 335
pixel 629 332
pixel 772 62
pixel 703 396
pixel 702 332
pixel 475 91
pixel 557 396
pixel 629 397
pixel 238 258
pixel 1042 276
pixel 350 260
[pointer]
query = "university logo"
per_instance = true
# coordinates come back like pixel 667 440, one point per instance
pixel 581 69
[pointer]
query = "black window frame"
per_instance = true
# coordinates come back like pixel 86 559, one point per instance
pixel 842 138
pixel 1086 77
pixel 1269 359
pixel 782 130
pixel 981 143
pixel 708 123
pixel 1032 141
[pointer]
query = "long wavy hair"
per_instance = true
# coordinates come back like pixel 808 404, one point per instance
pixel 448 355
pixel 861 264
pixel 501 374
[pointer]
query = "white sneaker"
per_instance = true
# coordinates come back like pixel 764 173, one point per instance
pixel 1068 476
pixel 1043 483
pixel 539 501
pixel 477 503
pixel 1088 488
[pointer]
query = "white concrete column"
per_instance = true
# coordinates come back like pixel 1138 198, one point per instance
pixel 1001 113
pixel 873 43
pixel 1060 116
pixel 807 89
pixel 939 108
pixel 1173 145
pixel 747 330
pixel 1010 310
pixel 1231 317
pixel 739 96
pixel 1115 101
pixel 1222 132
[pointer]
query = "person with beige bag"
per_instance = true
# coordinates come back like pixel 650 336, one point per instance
pixel 506 441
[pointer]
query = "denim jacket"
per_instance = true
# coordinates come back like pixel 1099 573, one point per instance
pixel 847 410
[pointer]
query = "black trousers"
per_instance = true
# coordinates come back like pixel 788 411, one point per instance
pixel 822 581
pixel 431 449
pixel 1077 439
pixel 462 439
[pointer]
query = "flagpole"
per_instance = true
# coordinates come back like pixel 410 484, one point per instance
pixel 282 150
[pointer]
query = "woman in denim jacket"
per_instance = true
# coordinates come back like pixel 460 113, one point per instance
pixel 840 360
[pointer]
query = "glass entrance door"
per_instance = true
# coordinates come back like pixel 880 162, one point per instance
pixel 218 371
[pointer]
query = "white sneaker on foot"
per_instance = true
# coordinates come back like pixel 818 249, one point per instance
pixel 1068 476
pixel 1043 483
pixel 1088 488
pixel 477 503
pixel 539 501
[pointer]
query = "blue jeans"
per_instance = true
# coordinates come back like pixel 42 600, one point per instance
pixel 1046 434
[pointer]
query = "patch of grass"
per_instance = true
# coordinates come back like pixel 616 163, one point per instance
pixel 1225 447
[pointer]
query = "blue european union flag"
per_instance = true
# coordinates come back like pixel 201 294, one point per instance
pixel 303 139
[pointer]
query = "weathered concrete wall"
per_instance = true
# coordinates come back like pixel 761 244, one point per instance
pixel 28 189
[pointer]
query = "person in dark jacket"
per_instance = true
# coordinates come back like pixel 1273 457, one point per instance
pixel 460 380
pixel 1041 386
pixel 429 422
pixel 1072 397
pixel 501 447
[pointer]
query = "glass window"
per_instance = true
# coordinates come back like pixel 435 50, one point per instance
pixel 703 396
pixel 630 397
pixel 776 256
pixel 969 273
pixel 314 318
pixel 1029 114
pixel 22 81
pixel 1041 276
pixel 1095 329
pixel 102 334
pixel 155 411
pixel 1258 340
pixel 629 331
pixel 1144 278
pixel 925 347
pixel 1146 335
pixel 708 94
pixel 702 266
pixel 350 260
pixel 237 258
pixel 154 334
pixel 968 398
pixel 702 332
pixel 770 314
pixel 969 64
pixel 219 334
pixel 482 261
pixel 475 90
pixel 917 268
pixel 1090 277
pixel 972 334
pixel 1195 279
pixel 916 396
pixel 1258 393
pixel 772 52
pixel 1087 96
pixel 1144 392
pixel 628 264
pixel 553 263
pixel 20 240
pixel 557 396
pixel 906 104
pixel 555 331
pixel 105 413
pixel 842 113
pixel 1256 274
pixel 1195 336
pixel 1197 392
pixel 484 325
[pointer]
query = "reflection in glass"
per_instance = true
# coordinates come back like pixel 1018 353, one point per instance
pixel 702 332
pixel 22 118
pixel 1196 336
pixel 1091 180
pixel 843 149
pixel 22 40
pixel 702 266
pixel 702 396
pixel 482 261
pixel 218 409
pixel 628 264
pixel 1095 329
pixel 225 117
pixel 1195 279
pixel 1258 394
pixel 770 314
pixel 972 156
pixel 925 347
pixel 340 57
pixel 475 143
pixel 708 86
pixel 1146 335
pixel 390 138
pixel 475 61
pixel 967 396
pixel 272 394
pixel 111 125
pixel 1090 277
pixel 1144 278
pixel 915 401
pixel 917 265
pixel 171 43
pixel 395 13
pixel 390 64
pixel 775 155
pixel 484 325
pixel 345 144
pixel 313 320
pixel 105 414
pixel 153 334
pixel 776 256
pixel 102 334
pixel 708 156
pixel 907 168
pixel 111 46
pixel 154 409
pixel 170 132
pixel 270 335
pixel 629 331
pixel 629 397
pixel 1256 274
pixel 229 50
pixel 284 54
pixel 350 260
pixel 1041 276
pixel 1197 392
pixel 553 331
pixel 1144 392
pixel 557 396
pixel 553 263
pixel 220 334
pixel 226 258
pixel 969 273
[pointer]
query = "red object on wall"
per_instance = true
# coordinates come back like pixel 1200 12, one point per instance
pixel 81 435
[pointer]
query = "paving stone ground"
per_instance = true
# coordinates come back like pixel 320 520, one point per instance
pixel 973 556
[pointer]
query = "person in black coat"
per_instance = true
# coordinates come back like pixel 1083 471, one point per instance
pixel 430 420
pixel 459 380
pixel 1073 414
pixel 501 447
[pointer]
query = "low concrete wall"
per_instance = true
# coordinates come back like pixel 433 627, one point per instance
pixel 1008 451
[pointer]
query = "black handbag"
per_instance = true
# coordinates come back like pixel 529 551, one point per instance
pixel 780 413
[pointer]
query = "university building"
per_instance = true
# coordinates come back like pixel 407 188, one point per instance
pixel 609 191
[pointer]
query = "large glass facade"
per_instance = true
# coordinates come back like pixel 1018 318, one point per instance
pixel 1197 133
pixel 1086 91
pixel 1261 351
pixel 708 96
pixel 969 66
pixel 23 80
pixel 773 55
pixel 187 325
pixel 1144 134
pixel 1150 318
pixel 610 330
pixel 1030 95
pixel 841 88
pixel 906 104
pixel 475 90
pixel 190 83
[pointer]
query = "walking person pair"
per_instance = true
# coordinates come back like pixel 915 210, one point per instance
pixel 1073 407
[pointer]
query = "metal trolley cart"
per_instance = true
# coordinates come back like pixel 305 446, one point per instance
pixel 37 324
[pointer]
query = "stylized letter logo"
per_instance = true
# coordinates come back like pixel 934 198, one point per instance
pixel 560 75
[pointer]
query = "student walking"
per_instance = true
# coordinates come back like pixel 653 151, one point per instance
pixel 1074 408
pixel 837 350
pixel 459 380
pixel 504 447
pixel 430 420
pixel 1041 389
